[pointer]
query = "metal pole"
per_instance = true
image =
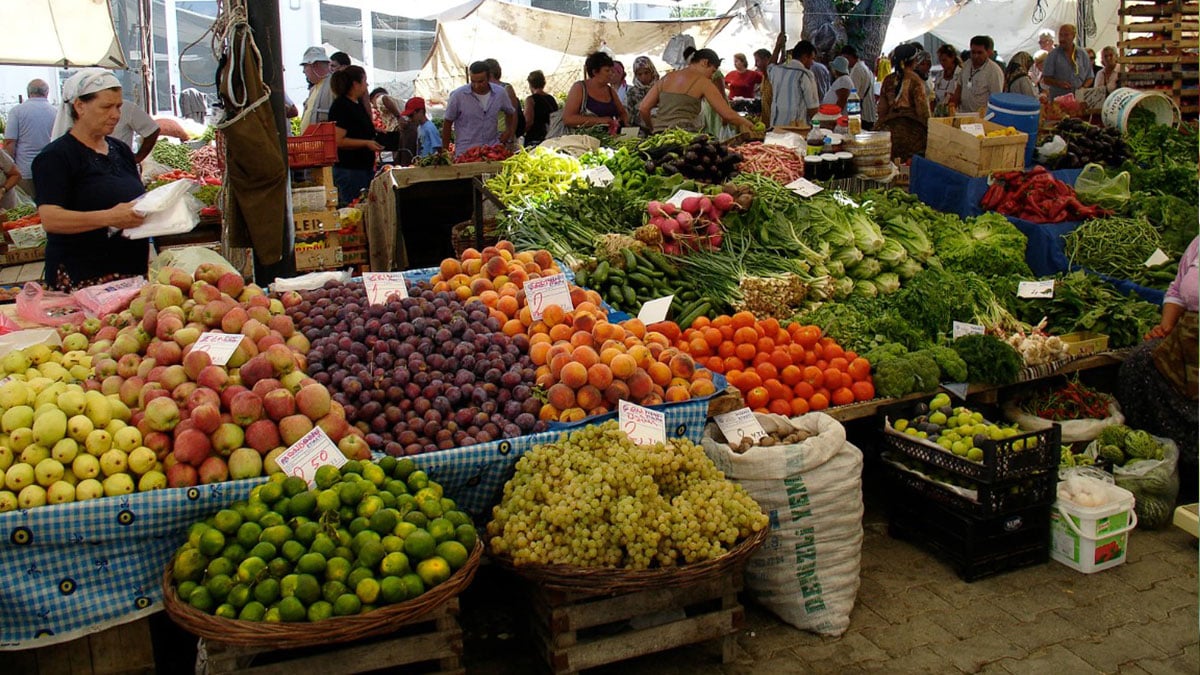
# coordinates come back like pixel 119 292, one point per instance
pixel 263 18
pixel 782 16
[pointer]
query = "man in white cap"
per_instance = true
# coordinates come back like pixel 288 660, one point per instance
pixel 316 70
pixel 28 130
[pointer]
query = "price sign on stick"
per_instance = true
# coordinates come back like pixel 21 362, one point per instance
pixel 960 329
pixel 546 291
pixel 655 310
pixel 1157 258
pixel 382 285
pixel 804 187
pixel 740 424
pixel 1035 289
pixel 642 425
pixel 220 346
pixel 308 454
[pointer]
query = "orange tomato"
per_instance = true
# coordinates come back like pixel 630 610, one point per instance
pixel 766 345
pixel 733 363
pixel 863 390
pixel 839 363
pixel 808 336
pixel 791 375
pixel 757 397
pixel 818 402
pixel 832 351
pixel 777 390
pixel 713 337
pixel 859 369
pixel 745 351
pixel 814 376
pixel 780 406
pixel 833 378
pixel 745 335
pixel 799 407
pixel 803 390
pixel 743 320
pixel 766 371
pixel 843 396
pixel 748 380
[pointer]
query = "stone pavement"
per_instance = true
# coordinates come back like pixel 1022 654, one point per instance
pixel 914 615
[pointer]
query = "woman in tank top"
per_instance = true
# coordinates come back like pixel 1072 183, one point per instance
pixel 593 101
pixel 678 95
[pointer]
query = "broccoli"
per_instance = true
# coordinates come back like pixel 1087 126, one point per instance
pixel 893 378
pixel 925 370
pixel 1112 454
pixel 989 359
pixel 885 352
pixel 1141 445
pixel 953 368
pixel 1113 435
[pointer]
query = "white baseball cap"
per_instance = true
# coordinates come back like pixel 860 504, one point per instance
pixel 313 55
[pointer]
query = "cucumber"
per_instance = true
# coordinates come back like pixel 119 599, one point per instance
pixel 630 296
pixel 662 263
pixel 581 278
pixel 601 273
pixel 640 280
pixel 685 321
pixel 630 260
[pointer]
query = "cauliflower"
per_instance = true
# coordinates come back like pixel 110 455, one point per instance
pixel 953 368
pixel 1113 435
pixel 1141 445
pixel 1112 454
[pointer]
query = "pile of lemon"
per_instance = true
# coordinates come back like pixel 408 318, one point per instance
pixel 368 535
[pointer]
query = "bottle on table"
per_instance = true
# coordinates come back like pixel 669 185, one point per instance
pixel 854 111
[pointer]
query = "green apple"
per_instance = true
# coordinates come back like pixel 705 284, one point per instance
pixel 152 480
pixel 89 489
pixel 32 496
pixel 75 342
pixel 79 426
pixel 48 472
pixel 60 493
pixel 117 484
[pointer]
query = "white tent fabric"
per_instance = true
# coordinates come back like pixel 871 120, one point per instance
pixel 64 33
pixel 1010 24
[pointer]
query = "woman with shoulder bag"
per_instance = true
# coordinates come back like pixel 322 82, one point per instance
pixel 593 101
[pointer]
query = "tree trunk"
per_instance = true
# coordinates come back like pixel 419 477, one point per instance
pixel 864 27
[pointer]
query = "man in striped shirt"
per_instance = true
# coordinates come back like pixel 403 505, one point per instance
pixel 793 85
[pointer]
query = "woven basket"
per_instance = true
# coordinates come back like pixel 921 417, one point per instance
pixel 462 235
pixel 592 581
pixel 330 631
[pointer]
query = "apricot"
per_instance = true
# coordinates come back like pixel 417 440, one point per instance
pixel 572 415
pixel 574 375
pixel 623 366
pixel 561 396
pixel 548 413
pixel 599 375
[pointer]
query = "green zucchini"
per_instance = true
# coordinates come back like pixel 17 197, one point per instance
pixel 601 273
pixel 630 260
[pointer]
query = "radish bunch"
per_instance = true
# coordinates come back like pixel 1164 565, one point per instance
pixel 695 225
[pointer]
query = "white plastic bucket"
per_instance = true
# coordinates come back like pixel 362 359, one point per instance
pixel 1092 539
pixel 1122 102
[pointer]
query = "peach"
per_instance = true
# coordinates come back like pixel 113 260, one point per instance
pixel 660 373
pixel 495 267
pixel 574 375
pixel 600 376
pixel 585 356
pixel 678 393
pixel 548 413
pixel 617 391
pixel 572 415
pixel 449 268
pixel 639 385
pixel 623 366
pixel 553 315
pixel 641 354
pixel 557 362
pixel 589 397
pixel 561 396
pixel 702 387
pixel 682 365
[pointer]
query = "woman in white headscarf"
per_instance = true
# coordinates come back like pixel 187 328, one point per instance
pixel 86 183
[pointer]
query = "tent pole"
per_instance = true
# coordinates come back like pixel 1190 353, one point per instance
pixel 263 18
pixel 782 16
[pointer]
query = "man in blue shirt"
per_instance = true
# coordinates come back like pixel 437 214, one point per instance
pixel 28 130
pixel 428 140
pixel 472 110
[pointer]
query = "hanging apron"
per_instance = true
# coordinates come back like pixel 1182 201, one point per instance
pixel 1178 355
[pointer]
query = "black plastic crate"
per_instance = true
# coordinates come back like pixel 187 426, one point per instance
pixel 1000 461
pixel 992 498
pixel 975 547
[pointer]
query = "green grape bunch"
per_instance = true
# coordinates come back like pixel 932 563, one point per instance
pixel 593 498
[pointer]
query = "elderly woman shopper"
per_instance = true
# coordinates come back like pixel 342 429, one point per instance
pixel 86 184
pixel 839 89
pixel 678 96
pixel 1016 75
pixel 593 101
pixel 645 75
pixel 356 144
pixel 904 106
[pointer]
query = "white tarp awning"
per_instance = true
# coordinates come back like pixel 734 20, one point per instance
pixel 63 33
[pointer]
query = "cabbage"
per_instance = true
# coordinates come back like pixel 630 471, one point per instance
pixel 867 236
pixel 912 236
pixel 827 222
pixel 865 289
pixel 988 245
pixel 888 282
pixel 892 253
pixel 842 288
pixel 847 256
pixel 908 269
pixel 867 268
pixel 835 268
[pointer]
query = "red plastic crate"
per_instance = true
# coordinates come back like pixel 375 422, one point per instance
pixel 317 146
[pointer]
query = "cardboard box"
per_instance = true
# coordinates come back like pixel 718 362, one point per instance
pixel 320 177
pixel 972 155
pixel 357 239
pixel 317 256
pixel 354 256
pixel 19 256
pixel 314 225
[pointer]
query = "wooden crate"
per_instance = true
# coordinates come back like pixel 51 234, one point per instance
pixel 1158 49
pixel 575 631
pixel 434 640
pixel 950 146
pixel 121 650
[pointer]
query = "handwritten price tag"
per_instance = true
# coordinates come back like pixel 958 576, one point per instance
pixel 961 329
pixel 220 346
pixel 655 310
pixel 551 290
pixel 28 237
pixel 383 285
pixel 642 425
pixel 1036 289
pixel 804 187
pixel 974 129
pixel 1157 258
pixel 740 424
pixel 308 454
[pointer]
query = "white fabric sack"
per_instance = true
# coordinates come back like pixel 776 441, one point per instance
pixel 168 209
pixel 1073 431
pixel 807 571
pixel 310 281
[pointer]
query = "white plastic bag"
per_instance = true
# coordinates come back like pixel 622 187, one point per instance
pixel 1073 431
pixel 169 209
pixel 310 281
pixel 1051 148
pixel 807 571
pixel 188 259
pixel 1154 483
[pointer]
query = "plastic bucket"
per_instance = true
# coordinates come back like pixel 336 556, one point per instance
pixel 1019 112
pixel 1092 539
pixel 1122 102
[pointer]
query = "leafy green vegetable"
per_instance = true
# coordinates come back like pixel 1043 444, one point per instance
pixel 904 374
pixel 989 359
pixel 1085 302
pixel 987 245
pixel 172 154
pixel 1178 221
pixel 953 368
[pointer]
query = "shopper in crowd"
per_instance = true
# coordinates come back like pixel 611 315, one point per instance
pixel 86 183
pixel 762 59
pixel 391 129
pixel 1045 43
pixel 1016 75
pixel 316 71
pixel 864 81
pixel 677 97
pixel 1067 67
pixel 1092 63
pixel 27 130
pixel 471 113
pixel 1035 71
pixel 923 66
pixel 979 78
pixel 618 80
pixel 821 73
pixel 338 60
pixel 494 73
pixel 356 143
pixel 793 86
pixel 903 105
pixel 1109 76
pixel 429 142
pixel 839 89
pixel 945 84
pixel 741 81
pixel 645 75
pixel 1157 383
pixel 9 192
pixel 538 107
pixel 386 114
pixel 593 101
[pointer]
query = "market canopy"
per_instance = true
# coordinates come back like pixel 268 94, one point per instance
pixel 63 33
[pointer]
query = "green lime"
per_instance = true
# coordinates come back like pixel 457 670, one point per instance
pixel 276 535
pixel 453 553
pixel 189 565
pixel 323 544
pixel 248 534
pixel 266 591
pixel 308 589
pixel 357 575
pixel 234 552
pixel 211 542
pixel 184 591
pixel 292 550
pixel 392 543
pixel 367 590
pixel 320 610
pixel 388 464
pixel 254 511
pixel 466 535
pixel 456 517
pixel 369 506
pixel 306 533
pixel 328 500
pixel 219 587
pixel 404 467
pixel 384 521
pixel 326 476
pixel 287 585
pixel 294 485
pixel 394 564
pixel 219 566
pixel 272 616
pixel 448 505
pixel 270 493
pixel 389 500
pixel 253 611
pixel 226 611
pixel 371 554
pixel 337 569
pixel 227 521
pixel 265 550
pixel 433 571
pixel 283 507
pixel 311 563
pixel 303 504
pixel 374 473
pixel 332 590
pixel 416 518
pixel 291 609
pixel 350 493
pixel 271 519
pixel 413 586
pixel 395 487
pixel 238 596
pixel 419 545
pixel 201 599
pixel 279 568
pixel 352 467
pixel 346 605
pixel 441 529
pixel 362 538
pixel 343 552
pixel 404 528
pixel 345 513
pixel 251 570
pixel 431 488
pixel 430 506
pixel 359 524
pixel 392 590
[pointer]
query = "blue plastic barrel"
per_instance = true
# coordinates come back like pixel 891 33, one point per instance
pixel 1019 112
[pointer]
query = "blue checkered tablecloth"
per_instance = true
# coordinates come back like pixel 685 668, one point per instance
pixel 74 569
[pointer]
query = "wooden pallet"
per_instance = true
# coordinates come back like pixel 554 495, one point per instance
pixel 434 640
pixel 121 650
pixel 576 631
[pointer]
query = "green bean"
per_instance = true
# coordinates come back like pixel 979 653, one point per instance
pixel 1115 246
